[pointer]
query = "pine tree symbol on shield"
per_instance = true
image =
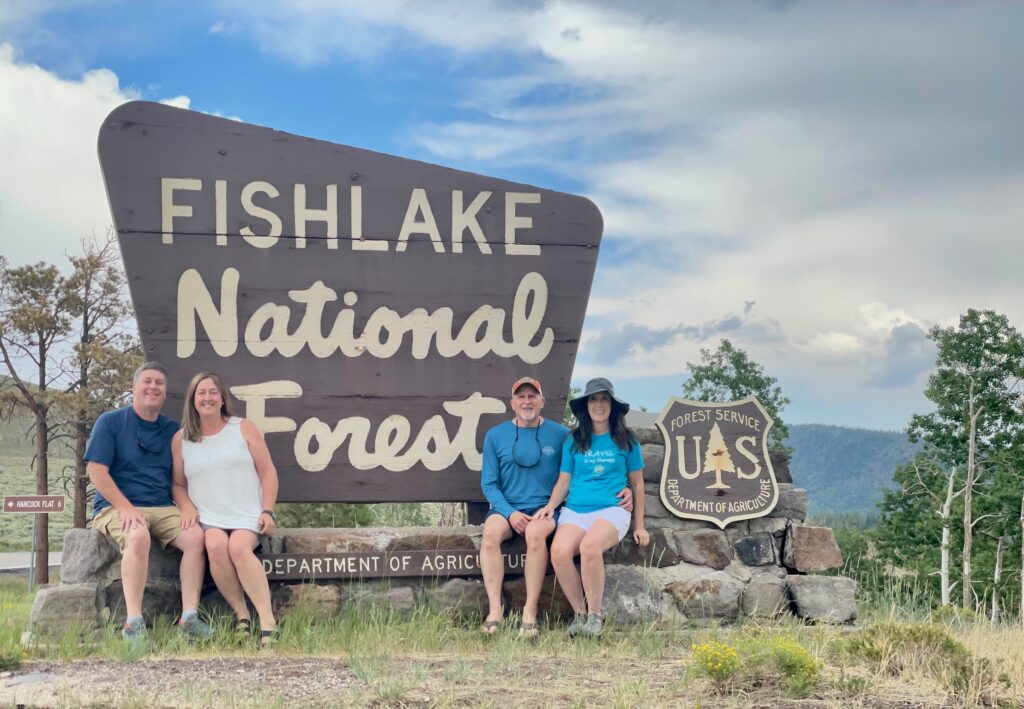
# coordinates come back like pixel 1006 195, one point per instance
pixel 718 459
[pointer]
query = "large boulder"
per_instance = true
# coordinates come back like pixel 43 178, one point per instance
pixel 737 530
pixel 629 597
pixel 431 541
pixel 654 461
pixel 765 594
pixel 380 595
pixel 713 596
pixel 552 601
pixel 810 549
pixel 649 435
pixel 779 458
pixel 462 597
pixel 660 552
pixel 828 599
pixel 326 541
pixel 709 547
pixel 56 609
pixel 164 564
pixel 654 510
pixel 88 557
pixel 792 503
pixel 318 600
pixel 162 597
pixel 775 526
pixel 756 550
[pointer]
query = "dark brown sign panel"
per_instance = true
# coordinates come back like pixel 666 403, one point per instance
pixel 380 564
pixel 34 503
pixel 368 312
pixel 717 466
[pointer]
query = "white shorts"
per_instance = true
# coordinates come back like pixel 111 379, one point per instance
pixel 585 520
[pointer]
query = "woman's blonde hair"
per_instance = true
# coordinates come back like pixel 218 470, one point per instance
pixel 190 428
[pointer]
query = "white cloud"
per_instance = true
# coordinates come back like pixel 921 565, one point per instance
pixel 835 343
pixel 177 101
pixel 51 187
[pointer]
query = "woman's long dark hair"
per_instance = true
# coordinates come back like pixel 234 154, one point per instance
pixel 584 431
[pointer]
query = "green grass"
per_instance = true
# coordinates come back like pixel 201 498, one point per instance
pixel 427 658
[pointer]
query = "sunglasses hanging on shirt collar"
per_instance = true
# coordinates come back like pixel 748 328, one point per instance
pixel 526 454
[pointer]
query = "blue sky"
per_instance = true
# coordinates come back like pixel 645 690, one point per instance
pixel 819 182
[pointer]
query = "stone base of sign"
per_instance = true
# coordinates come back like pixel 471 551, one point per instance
pixel 692 571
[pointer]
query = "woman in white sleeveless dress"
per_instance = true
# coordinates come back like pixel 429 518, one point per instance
pixel 224 480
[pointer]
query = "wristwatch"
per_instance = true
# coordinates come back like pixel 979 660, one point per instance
pixel 271 513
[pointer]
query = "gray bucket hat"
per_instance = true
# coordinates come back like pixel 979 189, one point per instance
pixel 578 404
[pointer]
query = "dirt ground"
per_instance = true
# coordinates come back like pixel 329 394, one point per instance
pixel 400 682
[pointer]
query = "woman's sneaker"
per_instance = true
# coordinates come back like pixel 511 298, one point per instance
pixel 593 627
pixel 195 628
pixel 576 626
pixel 135 634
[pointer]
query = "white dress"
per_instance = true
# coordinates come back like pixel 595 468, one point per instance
pixel 222 479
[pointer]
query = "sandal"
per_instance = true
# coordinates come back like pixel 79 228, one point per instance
pixel 490 627
pixel 528 631
pixel 268 638
pixel 242 626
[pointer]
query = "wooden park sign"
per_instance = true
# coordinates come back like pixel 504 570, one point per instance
pixel 33 503
pixel 369 312
pixel 717 466
pixel 381 564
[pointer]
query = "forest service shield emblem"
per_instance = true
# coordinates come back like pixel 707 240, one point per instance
pixel 717 466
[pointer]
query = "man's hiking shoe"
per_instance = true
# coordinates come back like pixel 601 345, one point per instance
pixel 195 628
pixel 593 627
pixel 576 626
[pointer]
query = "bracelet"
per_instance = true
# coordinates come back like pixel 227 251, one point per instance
pixel 269 512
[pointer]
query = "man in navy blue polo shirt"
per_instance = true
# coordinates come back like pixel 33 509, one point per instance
pixel 129 463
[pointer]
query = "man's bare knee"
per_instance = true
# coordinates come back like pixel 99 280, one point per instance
pixel 535 538
pixel 138 541
pixel 493 536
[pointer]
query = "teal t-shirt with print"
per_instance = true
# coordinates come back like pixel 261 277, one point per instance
pixel 599 474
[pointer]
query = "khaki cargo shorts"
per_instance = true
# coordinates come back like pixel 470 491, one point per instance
pixel 164 524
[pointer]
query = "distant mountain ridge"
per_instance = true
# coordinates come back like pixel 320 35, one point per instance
pixel 845 470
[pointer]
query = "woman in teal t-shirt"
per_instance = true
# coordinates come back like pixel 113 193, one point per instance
pixel 598 458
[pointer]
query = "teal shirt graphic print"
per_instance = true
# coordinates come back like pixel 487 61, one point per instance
pixel 599 474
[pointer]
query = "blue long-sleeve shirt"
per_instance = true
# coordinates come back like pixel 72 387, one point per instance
pixel 509 486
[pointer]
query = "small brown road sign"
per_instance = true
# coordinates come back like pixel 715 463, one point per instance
pixel 34 503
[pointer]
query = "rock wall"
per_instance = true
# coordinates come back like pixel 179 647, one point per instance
pixel 692 571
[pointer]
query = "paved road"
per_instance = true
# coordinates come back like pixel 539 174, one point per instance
pixel 11 560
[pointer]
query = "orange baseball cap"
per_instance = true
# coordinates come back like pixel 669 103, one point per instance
pixel 527 380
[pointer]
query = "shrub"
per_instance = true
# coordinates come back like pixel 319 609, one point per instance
pixel 801 673
pixel 717 661
pixel 896 646
pixel 951 615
